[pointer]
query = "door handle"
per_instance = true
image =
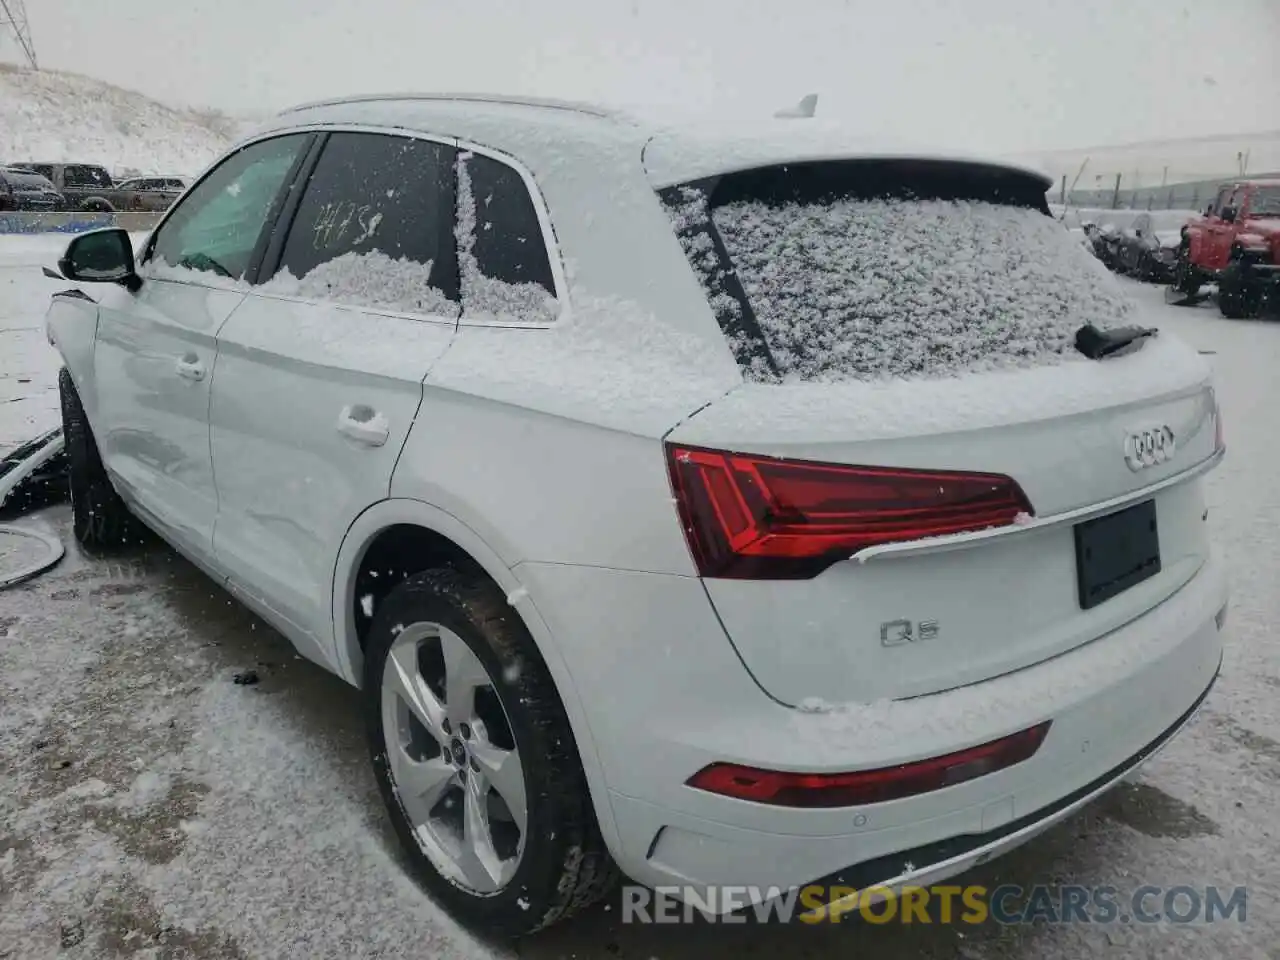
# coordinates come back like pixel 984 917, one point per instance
pixel 363 424
pixel 190 367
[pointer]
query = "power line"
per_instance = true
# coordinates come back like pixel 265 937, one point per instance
pixel 13 14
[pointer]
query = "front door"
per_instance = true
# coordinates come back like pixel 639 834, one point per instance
pixel 1221 232
pixel 155 353
pixel 320 371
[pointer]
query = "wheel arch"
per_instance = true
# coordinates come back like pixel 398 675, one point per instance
pixel 348 655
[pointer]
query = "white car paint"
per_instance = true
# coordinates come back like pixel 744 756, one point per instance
pixel 539 452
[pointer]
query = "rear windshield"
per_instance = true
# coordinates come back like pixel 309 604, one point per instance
pixel 865 271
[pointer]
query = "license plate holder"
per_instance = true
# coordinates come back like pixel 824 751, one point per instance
pixel 1116 552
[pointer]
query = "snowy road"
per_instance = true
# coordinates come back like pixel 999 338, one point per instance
pixel 150 806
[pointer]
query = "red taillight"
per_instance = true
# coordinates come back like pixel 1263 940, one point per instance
pixel 869 786
pixel 753 517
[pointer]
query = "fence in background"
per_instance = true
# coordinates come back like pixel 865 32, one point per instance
pixel 74 222
pixel 1187 195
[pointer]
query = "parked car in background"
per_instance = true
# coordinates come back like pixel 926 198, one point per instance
pixel 83 186
pixel 23 190
pixel 1237 245
pixel 1148 249
pixel 1106 243
pixel 150 193
pixel 747 616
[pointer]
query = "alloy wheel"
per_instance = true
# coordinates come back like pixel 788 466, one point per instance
pixel 453 758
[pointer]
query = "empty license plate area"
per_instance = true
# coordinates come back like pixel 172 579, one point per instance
pixel 1115 552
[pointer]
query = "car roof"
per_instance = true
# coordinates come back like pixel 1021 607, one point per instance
pixel 542 131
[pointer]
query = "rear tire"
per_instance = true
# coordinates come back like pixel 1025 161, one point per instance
pixel 100 519
pixel 430 625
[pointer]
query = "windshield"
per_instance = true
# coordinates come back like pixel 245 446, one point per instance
pixel 1265 202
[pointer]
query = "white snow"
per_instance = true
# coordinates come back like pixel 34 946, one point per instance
pixel 864 289
pixel 159 269
pixel 367 279
pixel 484 297
pixel 55 116
pixel 516 595
pixel 684 151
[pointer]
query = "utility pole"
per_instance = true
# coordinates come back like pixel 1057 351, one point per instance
pixel 13 15
pixel 1115 197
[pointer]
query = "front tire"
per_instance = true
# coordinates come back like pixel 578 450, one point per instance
pixel 1237 298
pixel 475 758
pixel 1186 278
pixel 100 519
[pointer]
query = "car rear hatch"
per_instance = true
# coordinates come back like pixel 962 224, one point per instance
pixel 923 483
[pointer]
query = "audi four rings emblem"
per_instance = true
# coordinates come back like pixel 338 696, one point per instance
pixel 1146 448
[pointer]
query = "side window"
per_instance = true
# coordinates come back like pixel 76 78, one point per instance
pixel 45 170
pixel 216 227
pixel 1223 201
pixel 373 227
pixel 504 270
pixel 82 176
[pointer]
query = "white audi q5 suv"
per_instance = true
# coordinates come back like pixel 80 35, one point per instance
pixel 746 507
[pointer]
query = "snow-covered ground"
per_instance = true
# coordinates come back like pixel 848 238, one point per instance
pixel 150 806
pixel 54 116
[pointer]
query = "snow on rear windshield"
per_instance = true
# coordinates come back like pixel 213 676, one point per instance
pixel 874 288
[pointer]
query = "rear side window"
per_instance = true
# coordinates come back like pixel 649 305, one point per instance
pixel 374 227
pixel 503 265
pixel 44 169
pixel 862 270
pixel 80 176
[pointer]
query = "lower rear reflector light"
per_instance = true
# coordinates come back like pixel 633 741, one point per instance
pixel 763 518
pixel 868 786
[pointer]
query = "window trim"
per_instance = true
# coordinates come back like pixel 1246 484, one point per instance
pixel 549 241
pixel 255 258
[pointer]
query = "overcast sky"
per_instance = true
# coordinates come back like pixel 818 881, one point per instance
pixel 979 74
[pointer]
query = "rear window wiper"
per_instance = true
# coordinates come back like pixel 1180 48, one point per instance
pixel 1099 344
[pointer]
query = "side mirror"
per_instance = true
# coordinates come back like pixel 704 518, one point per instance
pixel 1229 214
pixel 101 256
pixel 1208 211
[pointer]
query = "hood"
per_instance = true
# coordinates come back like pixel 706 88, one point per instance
pixel 1268 227
pixel 28 183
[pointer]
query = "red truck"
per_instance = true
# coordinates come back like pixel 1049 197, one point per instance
pixel 1236 244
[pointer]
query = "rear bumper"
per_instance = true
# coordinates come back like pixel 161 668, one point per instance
pixel 936 862
pixel 664 696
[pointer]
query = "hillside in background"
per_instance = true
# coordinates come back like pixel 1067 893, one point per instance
pixel 50 115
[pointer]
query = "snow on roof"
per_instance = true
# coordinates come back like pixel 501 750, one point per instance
pixel 546 103
pixel 672 154
pixel 679 155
